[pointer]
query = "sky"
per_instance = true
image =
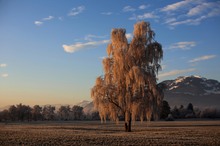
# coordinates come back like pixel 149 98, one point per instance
pixel 51 50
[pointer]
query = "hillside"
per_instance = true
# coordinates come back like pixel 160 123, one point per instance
pixel 198 90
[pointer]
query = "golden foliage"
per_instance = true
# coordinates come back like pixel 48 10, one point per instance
pixel 128 87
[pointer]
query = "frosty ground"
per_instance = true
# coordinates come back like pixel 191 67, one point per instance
pixel 95 133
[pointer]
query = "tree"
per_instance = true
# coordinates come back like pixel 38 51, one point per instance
pixel 64 112
pixel 4 115
pixel 24 112
pixel 129 87
pixel 190 107
pixel 13 112
pixel 77 112
pixel 95 116
pixel 48 112
pixel 175 112
pixel 37 113
pixel 209 113
pixel 190 111
pixel 165 111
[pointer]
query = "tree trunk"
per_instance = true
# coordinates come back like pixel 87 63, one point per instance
pixel 128 126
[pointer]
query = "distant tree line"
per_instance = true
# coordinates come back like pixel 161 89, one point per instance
pixel 182 112
pixel 22 112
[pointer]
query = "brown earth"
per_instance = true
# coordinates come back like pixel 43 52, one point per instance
pixel 95 133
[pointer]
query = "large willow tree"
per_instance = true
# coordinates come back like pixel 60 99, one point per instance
pixel 129 87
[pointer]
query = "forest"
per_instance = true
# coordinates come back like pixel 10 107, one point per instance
pixel 21 112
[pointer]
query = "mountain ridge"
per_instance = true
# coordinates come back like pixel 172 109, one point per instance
pixel 199 91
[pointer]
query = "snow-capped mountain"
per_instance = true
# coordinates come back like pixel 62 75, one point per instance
pixel 89 108
pixel 193 85
pixel 195 89
pixel 83 103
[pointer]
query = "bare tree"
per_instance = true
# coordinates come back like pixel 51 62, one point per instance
pixel 129 87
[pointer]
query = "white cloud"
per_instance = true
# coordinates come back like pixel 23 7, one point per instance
pixel 48 18
pixel 205 7
pixel 129 36
pixel 183 45
pixel 3 65
pixel 38 23
pixel 176 72
pixel 170 20
pixel 198 20
pixel 190 12
pixel 175 6
pixel 128 9
pixel 206 57
pixel 78 46
pixel 143 16
pixel 187 21
pixel 103 57
pixel 197 10
pixel 76 11
pixel 4 75
pixel 106 13
pixel 90 37
pixel 142 7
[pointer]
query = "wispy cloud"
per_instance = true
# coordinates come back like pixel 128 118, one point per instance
pixel 48 18
pixel 77 10
pixel 212 7
pixel 190 12
pixel 183 45
pixel 187 21
pixel 202 58
pixel 176 72
pixel 3 65
pixel 40 22
pixel 143 16
pixel 170 20
pixel 106 13
pixel 79 46
pixel 128 9
pixel 4 75
pixel 142 7
pixel 91 37
pixel 175 6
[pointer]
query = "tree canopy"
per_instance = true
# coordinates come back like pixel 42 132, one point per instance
pixel 129 86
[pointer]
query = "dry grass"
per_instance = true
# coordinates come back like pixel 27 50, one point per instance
pixel 94 133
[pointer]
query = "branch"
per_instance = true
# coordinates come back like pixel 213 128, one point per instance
pixel 110 100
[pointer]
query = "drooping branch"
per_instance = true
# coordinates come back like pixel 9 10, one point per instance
pixel 129 84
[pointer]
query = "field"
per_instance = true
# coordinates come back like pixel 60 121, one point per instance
pixel 95 133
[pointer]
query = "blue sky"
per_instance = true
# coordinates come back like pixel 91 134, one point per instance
pixel 51 51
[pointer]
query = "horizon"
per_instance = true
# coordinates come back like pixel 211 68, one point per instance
pixel 90 100
pixel 51 51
